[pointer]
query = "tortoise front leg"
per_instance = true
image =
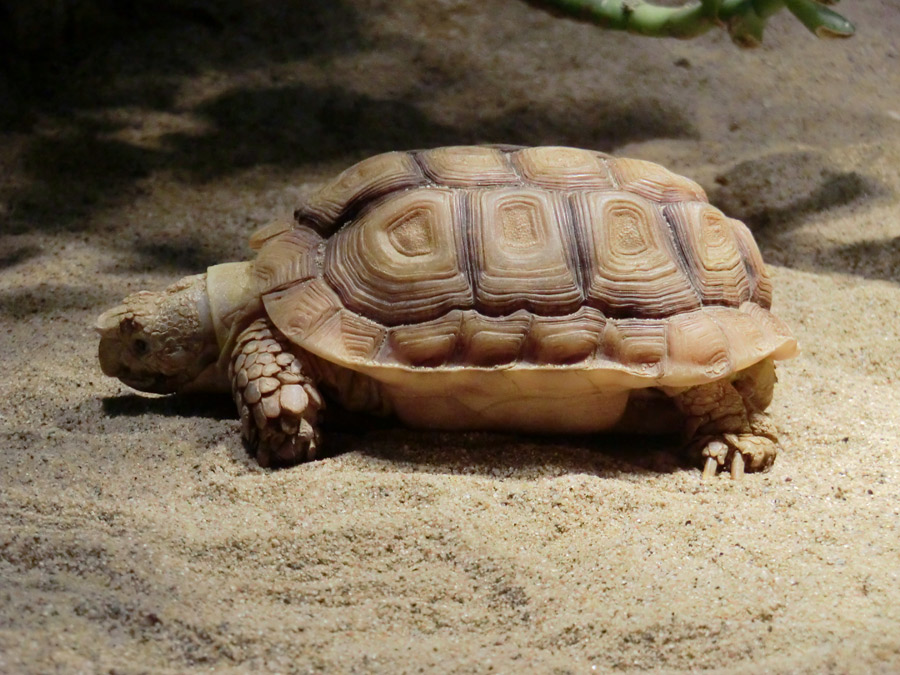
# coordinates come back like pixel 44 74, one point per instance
pixel 726 422
pixel 276 398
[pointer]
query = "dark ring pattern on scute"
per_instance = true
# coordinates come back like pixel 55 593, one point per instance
pixel 485 255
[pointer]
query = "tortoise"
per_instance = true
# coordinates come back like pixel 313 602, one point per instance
pixel 533 290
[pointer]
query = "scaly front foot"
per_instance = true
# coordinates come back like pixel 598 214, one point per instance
pixel 278 403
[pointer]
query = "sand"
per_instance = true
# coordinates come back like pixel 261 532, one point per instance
pixel 136 536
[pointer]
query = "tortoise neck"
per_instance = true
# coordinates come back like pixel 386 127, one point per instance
pixel 232 294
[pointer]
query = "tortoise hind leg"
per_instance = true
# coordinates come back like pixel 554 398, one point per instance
pixel 276 398
pixel 726 423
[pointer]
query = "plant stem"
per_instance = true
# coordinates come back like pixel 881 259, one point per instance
pixel 639 17
pixel 820 20
pixel 744 19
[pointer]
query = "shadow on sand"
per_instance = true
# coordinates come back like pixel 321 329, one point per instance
pixel 83 99
pixel 480 453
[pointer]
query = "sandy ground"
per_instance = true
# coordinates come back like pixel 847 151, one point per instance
pixel 137 537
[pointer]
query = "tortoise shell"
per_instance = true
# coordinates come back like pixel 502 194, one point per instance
pixel 520 258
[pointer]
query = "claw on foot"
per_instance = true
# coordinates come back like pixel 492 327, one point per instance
pixel 738 452
pixel 737 466
pixel 301 447
pixel 716 453
pixel 709 469
pixel 725 424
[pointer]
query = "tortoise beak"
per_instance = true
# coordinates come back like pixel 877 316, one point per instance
pixel 110 354
pixel 113 363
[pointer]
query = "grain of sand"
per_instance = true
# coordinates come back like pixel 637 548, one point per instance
pixel 137 537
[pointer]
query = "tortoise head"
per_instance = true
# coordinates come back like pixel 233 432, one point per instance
pixel 160 342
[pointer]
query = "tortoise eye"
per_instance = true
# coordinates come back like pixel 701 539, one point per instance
pixel 139 346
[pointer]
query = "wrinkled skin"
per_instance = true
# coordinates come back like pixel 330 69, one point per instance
pixel 160 342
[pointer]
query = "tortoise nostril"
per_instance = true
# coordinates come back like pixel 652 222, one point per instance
pixel 139 347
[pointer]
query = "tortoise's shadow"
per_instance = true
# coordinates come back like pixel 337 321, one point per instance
pixel 504 455
pixel 182 405
pixel 395 448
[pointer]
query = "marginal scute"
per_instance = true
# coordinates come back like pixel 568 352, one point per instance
pixel 267 232
pixel 426 344
pixel 631 259
pixel 523 252
pixel 360 336
pixel 780 342
pixel 563 168
pixel 462 166
pixel 565 339
pixel 492 341
pixel 354 337
pixel 746 339
pixel 637 346
pixel 402 261
pixel 711 251
pixel 362 183
pixel 287 258
pixel 299 309
pixel 654 182
pixel 696 344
